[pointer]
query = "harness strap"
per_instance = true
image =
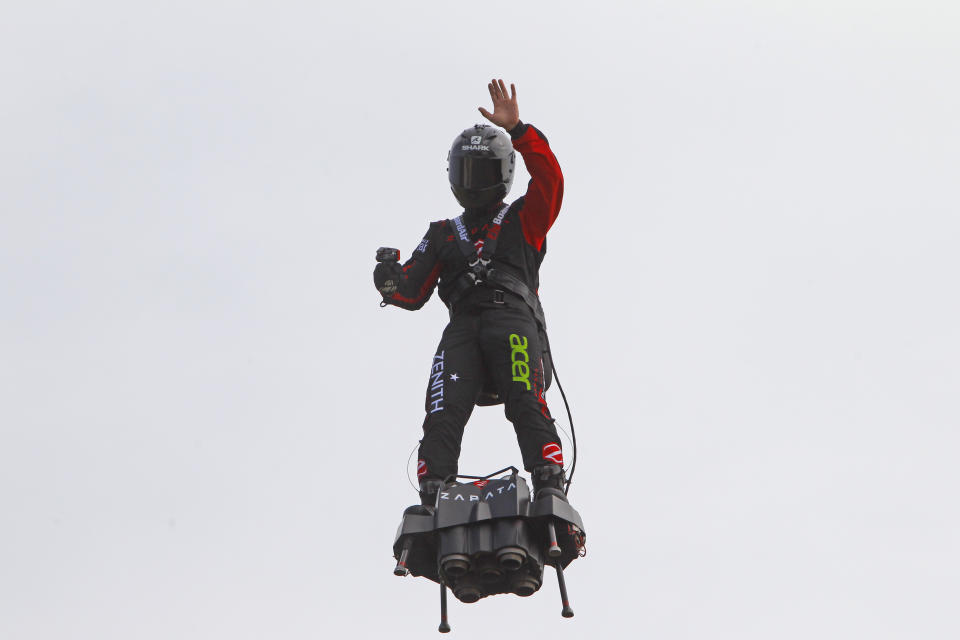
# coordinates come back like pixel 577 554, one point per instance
pixel 515 285
pixel 462 285
pixel 478 273
pixel 493 234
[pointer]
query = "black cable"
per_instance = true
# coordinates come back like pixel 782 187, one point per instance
pixel 573 431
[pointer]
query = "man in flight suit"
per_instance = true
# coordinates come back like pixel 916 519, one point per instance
pixel 485 263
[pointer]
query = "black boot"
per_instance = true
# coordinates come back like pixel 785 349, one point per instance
pixel 548 477
pixel 429 488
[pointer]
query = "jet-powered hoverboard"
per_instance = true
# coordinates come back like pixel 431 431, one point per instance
pixel 487 537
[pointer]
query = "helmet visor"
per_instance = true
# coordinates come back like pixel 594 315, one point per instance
pixel 475 173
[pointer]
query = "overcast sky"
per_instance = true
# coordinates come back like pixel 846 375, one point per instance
pixel 205 418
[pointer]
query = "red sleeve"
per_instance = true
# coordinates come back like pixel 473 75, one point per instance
pixel 545 191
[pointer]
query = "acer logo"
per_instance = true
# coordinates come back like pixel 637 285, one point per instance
pixel 520 359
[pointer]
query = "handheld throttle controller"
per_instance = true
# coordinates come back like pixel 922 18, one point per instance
pixel 388 254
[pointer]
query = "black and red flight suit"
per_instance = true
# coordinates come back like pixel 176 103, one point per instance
pixel 493 339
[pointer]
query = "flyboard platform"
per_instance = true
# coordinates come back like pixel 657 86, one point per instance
pixel 488 536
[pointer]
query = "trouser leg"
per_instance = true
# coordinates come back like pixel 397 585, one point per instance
pixel 456 377
pixel 513 354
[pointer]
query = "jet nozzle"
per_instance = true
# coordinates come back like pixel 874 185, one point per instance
pixel 511 558
pixel 455 565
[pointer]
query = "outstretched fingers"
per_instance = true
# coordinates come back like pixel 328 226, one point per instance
pixel 498 90
pixel 505 111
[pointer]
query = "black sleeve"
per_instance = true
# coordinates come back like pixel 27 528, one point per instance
pixel 418 275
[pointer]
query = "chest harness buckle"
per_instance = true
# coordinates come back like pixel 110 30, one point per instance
pixel 478 262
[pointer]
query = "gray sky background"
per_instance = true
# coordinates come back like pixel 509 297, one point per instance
pixel 752 293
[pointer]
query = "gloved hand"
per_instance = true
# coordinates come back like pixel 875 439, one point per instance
pixel 386 277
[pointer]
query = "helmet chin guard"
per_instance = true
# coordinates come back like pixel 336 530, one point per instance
pixel 480 166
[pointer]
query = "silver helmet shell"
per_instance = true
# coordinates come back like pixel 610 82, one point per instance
pixel 480 166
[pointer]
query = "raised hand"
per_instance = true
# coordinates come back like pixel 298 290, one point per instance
pixel 506 113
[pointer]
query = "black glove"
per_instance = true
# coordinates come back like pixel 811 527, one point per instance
pixel 386 277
